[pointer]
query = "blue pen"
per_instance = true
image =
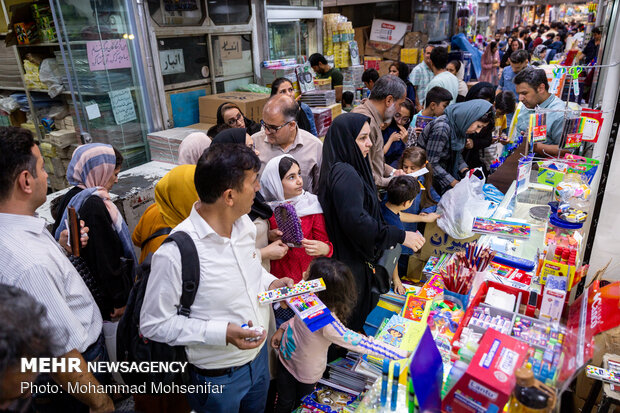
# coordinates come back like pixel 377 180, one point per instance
pixel 384 382
pixel 395 386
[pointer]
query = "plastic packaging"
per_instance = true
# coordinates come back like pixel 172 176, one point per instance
pixel 530 395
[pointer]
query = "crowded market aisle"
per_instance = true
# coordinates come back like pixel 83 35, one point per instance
pixel 355 233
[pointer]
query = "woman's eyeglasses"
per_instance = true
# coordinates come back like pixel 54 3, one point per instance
pixel 233 121
pixel 404 119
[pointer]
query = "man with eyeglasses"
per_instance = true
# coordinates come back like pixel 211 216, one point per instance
pixel 281 135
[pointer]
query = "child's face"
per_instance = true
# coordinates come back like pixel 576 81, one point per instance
pixel 409 167
pixel 438 109
pixel 402 117
pixel 292 184
pixel 499 113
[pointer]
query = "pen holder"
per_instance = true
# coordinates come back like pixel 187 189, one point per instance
pixel 459 299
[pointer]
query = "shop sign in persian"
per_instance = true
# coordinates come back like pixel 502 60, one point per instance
pixel 122 106
pixel 171 61
pixel 230 47
pixel 108 54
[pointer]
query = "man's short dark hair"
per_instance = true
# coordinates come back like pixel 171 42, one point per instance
pixel 402 189
pixel 438 94
pixel 15 157
pixel 439 57
pixel 347 97
pixel 506 102
pixel 523 32
pixel 519 56
pixel 596 30
pixel 388 85
pixel 317 58
pixel 24 332
pixel 222 167
pixel 370 75
pixel 533 77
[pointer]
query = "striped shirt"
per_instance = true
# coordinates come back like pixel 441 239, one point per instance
pixel 32 260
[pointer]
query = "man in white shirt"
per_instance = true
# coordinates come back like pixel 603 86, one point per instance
pixel 232 359
pixel 443 78
pixel 31 260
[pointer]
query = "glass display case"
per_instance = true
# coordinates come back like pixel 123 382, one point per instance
pixel 183 59
pixel 290 39
pixel 435 19
pixel 225 12
pixel 103 74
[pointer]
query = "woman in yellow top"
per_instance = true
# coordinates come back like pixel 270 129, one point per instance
pixel 175 194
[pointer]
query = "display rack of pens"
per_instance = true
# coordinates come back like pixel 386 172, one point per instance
pixel 572 134
pixel 538 127
pixel 460 271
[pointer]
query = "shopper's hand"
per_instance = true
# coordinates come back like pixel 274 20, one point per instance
pixel 399 288
pixel 117 313
pixel 414 240
pixel 315 248
pixel 274 251
pixel 236 335
pixel 282 282
pixel 64 238
pixel 274 235
pixel 469 143
pixel 503 139
pixel 276 339
pixel 399 172
pixel 418 131
pixel 431 217
pixel 394 137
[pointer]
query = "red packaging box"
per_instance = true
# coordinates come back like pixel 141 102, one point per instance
pixel 489 379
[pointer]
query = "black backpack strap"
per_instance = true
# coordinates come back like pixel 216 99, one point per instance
pixel 190 272
pixel 158 233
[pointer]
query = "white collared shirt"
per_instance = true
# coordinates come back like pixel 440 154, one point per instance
pixel 231 276
pixel 31 259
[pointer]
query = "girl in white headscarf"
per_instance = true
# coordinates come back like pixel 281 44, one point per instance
pixel 281 182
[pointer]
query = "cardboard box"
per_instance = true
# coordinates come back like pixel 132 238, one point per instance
pixel 251 104
pixel 383 50
pixel 336 109
pixel 361 37
pixel 62 138
pixel 490 378
pixel 201 126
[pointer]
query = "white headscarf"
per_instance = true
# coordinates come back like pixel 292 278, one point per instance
pixel 272 191
pixel 192 147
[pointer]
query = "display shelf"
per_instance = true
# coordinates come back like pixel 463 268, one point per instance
pixel 16 88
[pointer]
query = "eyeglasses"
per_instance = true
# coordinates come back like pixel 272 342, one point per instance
pixel 233 121
pixel 404 119
pixel 271 128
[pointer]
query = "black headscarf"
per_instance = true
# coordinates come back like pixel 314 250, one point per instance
pixel 250 126
pixel 232 135
pixel 260 209
pixel 340 146
pixel 472 93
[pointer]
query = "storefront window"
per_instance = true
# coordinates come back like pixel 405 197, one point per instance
pixel 290 39
pixel 232 54
pixel 183 59
pixel 434 19
pixel 293 3
pixel 223 12
pixel 177 12
pixel 101 53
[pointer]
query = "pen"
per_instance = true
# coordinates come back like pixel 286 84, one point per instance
pixel 395 386
pixel 384 382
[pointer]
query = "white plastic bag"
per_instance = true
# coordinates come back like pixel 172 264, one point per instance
pixel 50 75
pixel 459 206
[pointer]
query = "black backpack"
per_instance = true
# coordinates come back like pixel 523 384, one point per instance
pixel 131 346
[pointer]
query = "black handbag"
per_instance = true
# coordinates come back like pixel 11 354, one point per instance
pixel 383 270
pixel 91 282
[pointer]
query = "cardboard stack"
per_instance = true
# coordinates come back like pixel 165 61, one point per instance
pixel 324 116
pixel 57 147
pixel 352 78
pixel 164 145
pixel 251 104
